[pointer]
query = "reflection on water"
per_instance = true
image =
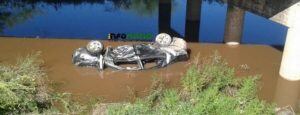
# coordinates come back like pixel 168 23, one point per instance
pixel 234 24
pixel 196 20
pixel 265 8
pixel 192 20
pixel 13 14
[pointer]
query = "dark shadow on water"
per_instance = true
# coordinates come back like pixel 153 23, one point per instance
pixel 193 20
pixel 164 18
pixel 278 47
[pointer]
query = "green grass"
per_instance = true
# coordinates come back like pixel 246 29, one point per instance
pixel 24 90
pixel 21 86
pixel 209 87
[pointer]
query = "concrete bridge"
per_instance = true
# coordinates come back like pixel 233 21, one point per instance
pixel 285 12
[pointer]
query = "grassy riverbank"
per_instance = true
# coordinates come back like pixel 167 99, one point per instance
pixel 24 90
pixel 208 87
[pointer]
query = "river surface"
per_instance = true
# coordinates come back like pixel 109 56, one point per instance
pixel 118 86
pixel 197 20
pixel 60 27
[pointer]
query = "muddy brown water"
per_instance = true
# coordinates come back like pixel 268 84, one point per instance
pixel 114 85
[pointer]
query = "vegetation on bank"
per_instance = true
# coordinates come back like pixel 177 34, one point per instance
pixel 24 90
pixel 208 87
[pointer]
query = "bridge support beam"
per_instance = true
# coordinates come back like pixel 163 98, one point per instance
pixel 234 25
pixel 290 64
pixel 192 21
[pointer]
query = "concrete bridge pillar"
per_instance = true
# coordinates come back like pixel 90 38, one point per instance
pixel 290 64
pixel 234 25
pixel 192 21
pixel 164 16
pixel 193 10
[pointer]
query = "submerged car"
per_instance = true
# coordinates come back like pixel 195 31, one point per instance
pixel 164 51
